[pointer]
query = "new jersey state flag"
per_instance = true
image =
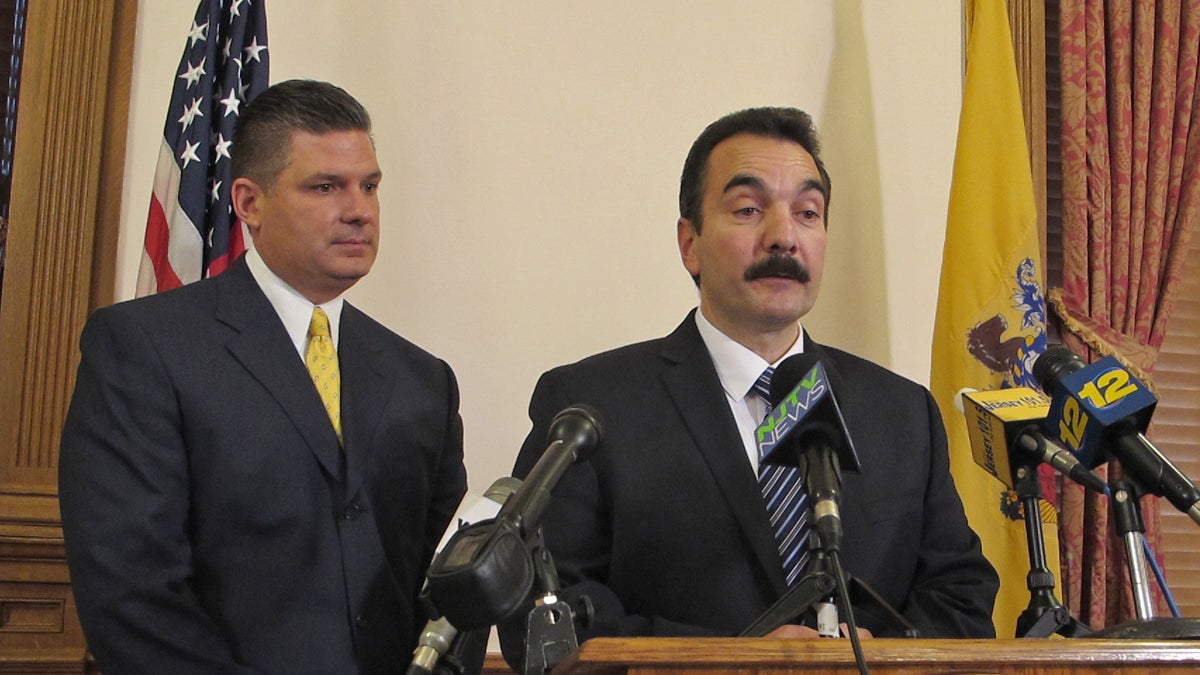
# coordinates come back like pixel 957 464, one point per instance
pixel 991 316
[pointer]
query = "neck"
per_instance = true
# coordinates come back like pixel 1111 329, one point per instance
pixel 768 343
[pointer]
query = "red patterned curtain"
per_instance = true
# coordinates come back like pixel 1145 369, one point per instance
pixel 1131 200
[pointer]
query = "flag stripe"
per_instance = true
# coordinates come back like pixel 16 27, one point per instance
pixel 191 230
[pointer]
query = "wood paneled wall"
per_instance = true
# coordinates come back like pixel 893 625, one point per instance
pixel 68 164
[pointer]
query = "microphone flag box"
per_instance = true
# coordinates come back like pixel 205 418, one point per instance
pixel 799 403
pixel 1091 400
pixel 472 509
pixel 994 418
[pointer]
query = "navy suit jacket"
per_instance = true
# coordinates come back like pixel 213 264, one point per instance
pixel 212 523
pixel 664 528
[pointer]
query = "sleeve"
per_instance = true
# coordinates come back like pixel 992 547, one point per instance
pixel 451 481
pixel 577 530
pixel 955 589
pixel 123 483
pixel 449 487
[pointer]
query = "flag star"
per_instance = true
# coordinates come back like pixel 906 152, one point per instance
pixel 232 103
pixel 226 48
pixel 189 153
pixel 253 49
pixel 198 33
pixel 194 73
pixel 216 191
pixel 236 10
pixel 222 147
pixel 190 113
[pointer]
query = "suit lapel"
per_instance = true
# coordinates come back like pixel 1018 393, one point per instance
pixel 695 389
pixel 367 383
pixel 262 346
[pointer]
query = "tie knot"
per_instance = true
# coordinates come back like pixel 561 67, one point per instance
pixel 319 325
pixel 762 386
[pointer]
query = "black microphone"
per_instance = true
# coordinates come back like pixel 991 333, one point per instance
pixel 439 633
pixel 1101 409
pixel 485 572
pixel 805 429
pixel 1005 424
pixel 574 434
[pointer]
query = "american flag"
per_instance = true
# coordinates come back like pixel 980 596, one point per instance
pixel 192 232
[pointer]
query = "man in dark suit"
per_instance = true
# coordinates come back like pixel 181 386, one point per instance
pixel 664 527
pixel 222 514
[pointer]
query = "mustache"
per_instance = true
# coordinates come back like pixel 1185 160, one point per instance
pixel 778 266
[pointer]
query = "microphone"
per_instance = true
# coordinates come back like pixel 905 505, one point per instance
pixel 485 572
pixel 434 642
pixel 1002 422
pixel 574 434
pixel 474 508
pixel 805 429
pixel 1101 409
pixel 439 633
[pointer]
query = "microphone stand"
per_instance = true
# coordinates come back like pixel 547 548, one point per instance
pixel 550 627
pixel 1127 514
pixel 818 583
pixel 1045 615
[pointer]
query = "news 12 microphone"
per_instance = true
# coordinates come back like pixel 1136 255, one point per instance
pixel 805 429
pixel 1004 426
pixel 1101 409
pixel 439 634
pixel 485 572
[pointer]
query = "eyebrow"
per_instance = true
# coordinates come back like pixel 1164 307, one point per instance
pixel 752 181
pixel 332 177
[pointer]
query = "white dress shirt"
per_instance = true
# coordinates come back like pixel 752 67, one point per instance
pixel 738 369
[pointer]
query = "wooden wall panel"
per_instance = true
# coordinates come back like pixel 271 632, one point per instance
pixel 64 220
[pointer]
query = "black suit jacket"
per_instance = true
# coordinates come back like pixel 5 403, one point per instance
pixel 664 527
pixel 212 523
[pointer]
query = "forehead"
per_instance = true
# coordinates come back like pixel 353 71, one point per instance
pixel 345 150
pixel 777 161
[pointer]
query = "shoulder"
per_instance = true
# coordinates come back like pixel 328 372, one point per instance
pixel 636 355
pixel 357 325
pixel 613 377
pixel 648 358
pixel 178 309
pixel 855 370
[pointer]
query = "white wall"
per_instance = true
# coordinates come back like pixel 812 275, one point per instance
pixel 531 152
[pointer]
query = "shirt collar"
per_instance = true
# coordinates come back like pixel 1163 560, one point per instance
pixel 738 368
pixel 294 310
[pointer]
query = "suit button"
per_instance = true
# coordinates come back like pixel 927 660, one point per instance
pixel 353 511
pixel 361 622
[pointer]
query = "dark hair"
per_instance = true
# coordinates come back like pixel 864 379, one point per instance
pixel 262 136
pixel 788 124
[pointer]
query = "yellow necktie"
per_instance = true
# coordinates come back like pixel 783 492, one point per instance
pixel 321 359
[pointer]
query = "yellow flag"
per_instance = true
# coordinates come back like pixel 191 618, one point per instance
pixel 990 323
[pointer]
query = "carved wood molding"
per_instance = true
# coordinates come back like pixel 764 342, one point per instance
pixel 68 159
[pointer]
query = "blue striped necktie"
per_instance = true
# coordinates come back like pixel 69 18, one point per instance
pixel 786 501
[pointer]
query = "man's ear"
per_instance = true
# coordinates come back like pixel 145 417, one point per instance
pixel 686 233
pixel 246 195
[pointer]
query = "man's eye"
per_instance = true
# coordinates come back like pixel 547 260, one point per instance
pixel 748 211
pixel 324 187
pixel 370 187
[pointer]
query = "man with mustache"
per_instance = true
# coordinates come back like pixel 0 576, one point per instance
pixel 254 473
pixel 665 527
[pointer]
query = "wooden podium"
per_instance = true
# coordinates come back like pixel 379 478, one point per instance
pixel 746 656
